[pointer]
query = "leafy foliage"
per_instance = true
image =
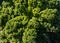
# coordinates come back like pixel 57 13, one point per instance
pixel 29 36
pixel 29 21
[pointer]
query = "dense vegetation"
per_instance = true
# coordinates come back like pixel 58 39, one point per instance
pixel 29 21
